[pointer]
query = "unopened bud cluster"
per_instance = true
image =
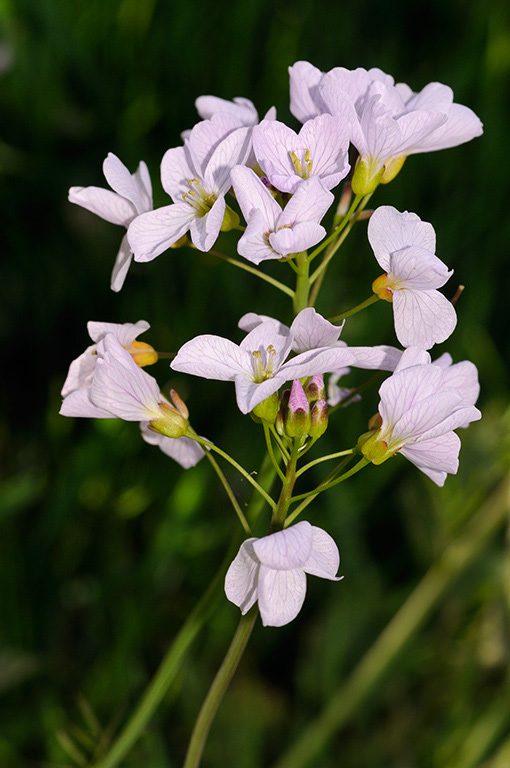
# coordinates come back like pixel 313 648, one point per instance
pixel 303 411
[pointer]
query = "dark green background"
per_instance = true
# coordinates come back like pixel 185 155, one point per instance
pixel 105 545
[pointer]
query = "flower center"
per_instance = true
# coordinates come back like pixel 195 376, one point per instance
pixel 302 163
pixel 384 286
pixel 263 364
pixel 198 197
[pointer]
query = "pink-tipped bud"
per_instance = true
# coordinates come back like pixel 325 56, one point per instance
pixel 297 420
pixel 179 403
pixel 375 422
pixel 318 418
pixel 315 389
pixel 345 201
pixel 282 413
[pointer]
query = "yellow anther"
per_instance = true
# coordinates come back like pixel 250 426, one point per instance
pixel 381 288
pixel 142 353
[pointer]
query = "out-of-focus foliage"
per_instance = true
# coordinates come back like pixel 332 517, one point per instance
pixel 105 545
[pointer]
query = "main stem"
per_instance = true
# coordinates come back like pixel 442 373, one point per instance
pixel 300 300
pixel 218 688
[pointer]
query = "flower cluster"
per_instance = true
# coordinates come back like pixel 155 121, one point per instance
pixel 231 167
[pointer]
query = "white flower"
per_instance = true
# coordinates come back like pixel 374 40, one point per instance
pixel 273 571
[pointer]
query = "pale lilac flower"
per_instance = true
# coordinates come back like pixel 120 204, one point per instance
pixel 305 100
pixel 197 178
pixel 184 450
pixel 131 196
pixel 419 410
pixel 121 389
pixel 257 366
pixel 319 149
pixel 312 331
pixel 81 370
pixel 272 570
pixel 273 232
pixel 404 247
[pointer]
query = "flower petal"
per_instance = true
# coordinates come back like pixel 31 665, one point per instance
pixel 389 231
pixel 422 318
pixel 281 595
pixel 324 558
pixel 311 330
pixel 121 267
pixel 287 549
pixel 104 203
pixel 241 580
pixel 212 357
pixel 152 233
pixel 183 450
pixel 125 184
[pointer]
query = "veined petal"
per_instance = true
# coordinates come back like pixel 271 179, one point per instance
pixel 104 203
pixel 435 96
pixel 462 125
pixel 413 356
pixel 379 358
pixel 305 100
pixel 327 137
pixel 254 243
pixel 435 457
pixel 339 103
pixel 273 142
pixel 316 361
pixel 251 320
pixel 287 549
pixel 126 333
pixel 241 580
pixel 461 418
pixel 79 404
pixel 143 180
pixel 205 136
pixel 121 267
pixel 298 238
pixel 250 393
pixel 122 182
pixel 241 108
pixel 406 387
pixel 281 595
pixel 183 450
pixel 464 377
pixel 233 150
pixel 251 194
pixel 176 170
pixel 80 372
pixel 422 318
pixel 212 357
pixel 121 386
pixel 416 126
pixel 389 231
pixel 152 233
pixel 418 269
pixel 311 331
pixel 324 557
pixel 204 230
pixel 429 413
pixel 309 203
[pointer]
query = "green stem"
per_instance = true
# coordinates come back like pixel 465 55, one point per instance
pixel 280 512
pixel 279 443
pixel 270 451
pixel 350 220
pixel 167 670
pixel 371 300
pixel 253 271
pixel 356 468
pixel 191 433
pixel 313 496
pixel 218 688
pixel 230 493
pixel 300 299
pixel 456 557
pixel 337 231
pixel 324 458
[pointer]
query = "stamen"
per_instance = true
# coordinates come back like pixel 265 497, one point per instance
pixel 303 166
pixel 198 197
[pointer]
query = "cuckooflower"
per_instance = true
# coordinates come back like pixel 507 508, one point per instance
pixel 197 178
pixel 404 247
pixel 257 366
pixel 121 389
pixel 131 196
pixel 272 570
pixel 242 109
pixel 419 409
pixel 81 370
pixel 273 232
pixel 319 149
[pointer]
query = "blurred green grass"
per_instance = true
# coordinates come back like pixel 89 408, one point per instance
pixel 105 545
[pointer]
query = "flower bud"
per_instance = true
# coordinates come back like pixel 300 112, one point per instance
pixel 375 421
pixel 318 418
pixel 143 354
pixel 230 220
pixel 267 410
pixel 392 167
pixel 364 180
pixel 380 288
pixel 315 389
pixel 297 419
